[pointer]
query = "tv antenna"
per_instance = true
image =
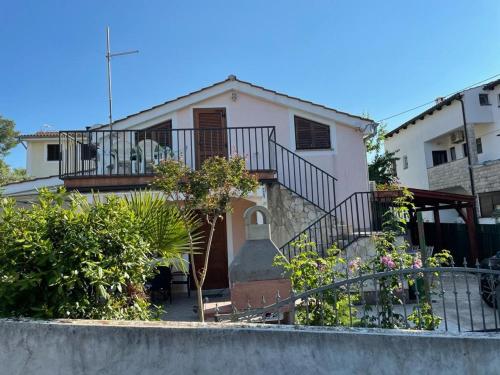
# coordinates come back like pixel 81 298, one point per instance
pixel 109 55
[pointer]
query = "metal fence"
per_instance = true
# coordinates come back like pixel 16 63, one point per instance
pixel 456 299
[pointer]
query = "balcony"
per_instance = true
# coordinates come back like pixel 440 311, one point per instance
pixel 130 156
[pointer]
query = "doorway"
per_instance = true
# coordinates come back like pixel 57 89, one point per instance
pixel 217 274
pixel 210 133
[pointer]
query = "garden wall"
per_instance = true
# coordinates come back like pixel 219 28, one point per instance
pixel 91 347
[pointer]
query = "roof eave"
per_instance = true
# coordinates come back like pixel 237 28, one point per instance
pixel 428 112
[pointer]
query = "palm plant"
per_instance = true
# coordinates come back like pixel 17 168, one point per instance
pixel 165 227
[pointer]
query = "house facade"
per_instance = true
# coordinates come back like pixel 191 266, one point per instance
pixel 308 157
pixel 454 146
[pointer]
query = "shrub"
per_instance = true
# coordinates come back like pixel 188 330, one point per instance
pixel 73 260
pixel 308 270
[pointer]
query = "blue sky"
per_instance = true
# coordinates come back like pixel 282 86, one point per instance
pixel 375 57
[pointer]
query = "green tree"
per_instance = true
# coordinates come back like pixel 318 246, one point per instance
pixel 381 167
pixel 9 175
pixel 9 138
pixel 207 191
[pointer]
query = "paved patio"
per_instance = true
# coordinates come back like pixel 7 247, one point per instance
pixel 183 308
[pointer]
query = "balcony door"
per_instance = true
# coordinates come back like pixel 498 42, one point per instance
pixel 210 133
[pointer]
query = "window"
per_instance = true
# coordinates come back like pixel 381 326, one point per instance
pixel 439 157
pixel 405 162
pixel 484 99
pixel 499 100
pixel 394 168
pixel 453 154
pixel 311 135
pixel 88 151
pixel 465 150
pixel 488 201
pixel 479 145
pixel 52 152
pixel 161 134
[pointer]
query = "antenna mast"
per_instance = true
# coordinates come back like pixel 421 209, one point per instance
pixel 109 55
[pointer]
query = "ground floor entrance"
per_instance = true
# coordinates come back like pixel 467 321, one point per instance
pixel 217 275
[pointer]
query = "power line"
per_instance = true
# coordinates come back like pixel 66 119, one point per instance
pixel 433 101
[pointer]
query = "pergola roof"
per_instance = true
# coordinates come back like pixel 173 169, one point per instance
pixel 424 198
pixel 428 200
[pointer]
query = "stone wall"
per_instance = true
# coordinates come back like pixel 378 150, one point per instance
pixel 123 348
pixel 290 214
pixel 487 176
pixel 450 175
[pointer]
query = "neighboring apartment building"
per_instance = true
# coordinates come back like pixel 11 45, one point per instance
pixel 307 157
pixel 436 147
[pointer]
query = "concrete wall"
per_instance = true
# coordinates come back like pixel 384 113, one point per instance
pixel 110 348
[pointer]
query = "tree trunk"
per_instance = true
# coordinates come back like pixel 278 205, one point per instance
pixel 199 281
pixel 201 313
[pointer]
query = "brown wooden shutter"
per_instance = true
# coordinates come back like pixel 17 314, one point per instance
pixel 311 135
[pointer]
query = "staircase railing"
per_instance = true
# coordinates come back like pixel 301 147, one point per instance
pixel 359 215
pixel 303 178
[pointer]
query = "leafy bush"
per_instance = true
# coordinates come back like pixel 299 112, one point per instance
pixel 308 270
pixel 74 260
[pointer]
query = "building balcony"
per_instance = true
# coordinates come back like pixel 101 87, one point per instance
pixel 129 157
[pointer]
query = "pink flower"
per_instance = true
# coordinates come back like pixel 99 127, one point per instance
pixel 354 264
pixel 387 261
pixel 417 263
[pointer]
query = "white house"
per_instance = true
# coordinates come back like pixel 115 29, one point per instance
pixel 454 146
pixel 307 157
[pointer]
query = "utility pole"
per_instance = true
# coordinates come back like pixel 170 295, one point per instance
pixel 109 55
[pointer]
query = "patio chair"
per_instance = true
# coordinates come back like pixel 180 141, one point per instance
pixel 147 149
pixel 181 278
pixel 162 283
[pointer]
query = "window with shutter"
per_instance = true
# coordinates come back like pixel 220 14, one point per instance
pixel 311 135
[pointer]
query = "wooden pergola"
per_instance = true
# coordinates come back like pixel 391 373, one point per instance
pixel 435 201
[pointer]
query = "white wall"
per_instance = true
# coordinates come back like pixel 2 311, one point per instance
pixel 412 142
pixel 37 164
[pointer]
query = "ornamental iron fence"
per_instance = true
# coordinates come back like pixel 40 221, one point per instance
pixel 447 299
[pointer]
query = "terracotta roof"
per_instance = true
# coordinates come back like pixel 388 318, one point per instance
pixel 421 116
pixel 41 134
pixel 233 78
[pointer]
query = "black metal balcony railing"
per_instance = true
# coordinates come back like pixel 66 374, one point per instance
pixel 93 153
